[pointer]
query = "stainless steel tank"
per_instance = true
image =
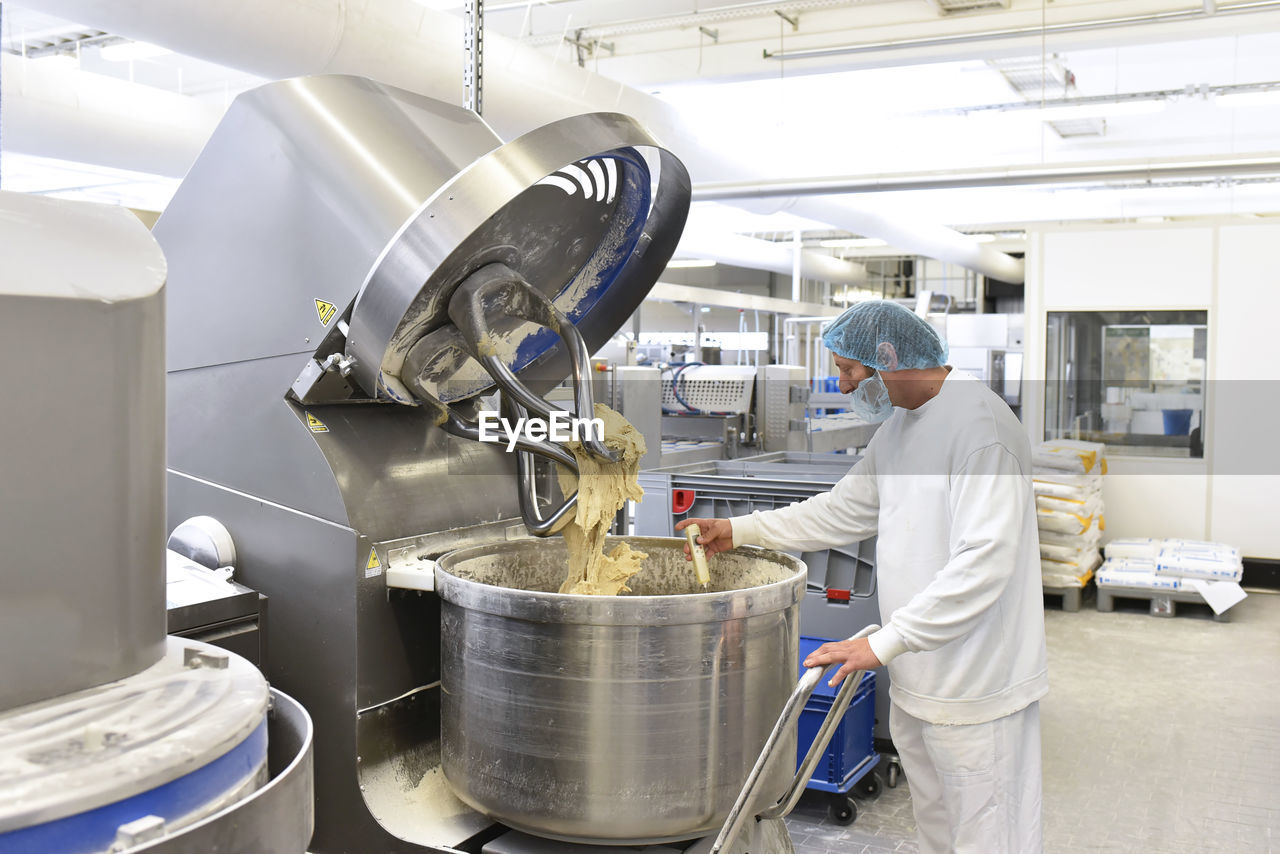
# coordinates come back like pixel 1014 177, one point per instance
pixel 613 719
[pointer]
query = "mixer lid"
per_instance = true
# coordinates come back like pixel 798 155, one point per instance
pixel 587 210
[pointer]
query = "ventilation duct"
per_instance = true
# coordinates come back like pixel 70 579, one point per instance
pixel 402 43
pixel 53 110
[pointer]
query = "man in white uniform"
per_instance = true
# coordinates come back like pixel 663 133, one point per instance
pixel 946 484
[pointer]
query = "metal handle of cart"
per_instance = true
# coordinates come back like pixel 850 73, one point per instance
pixel 790 716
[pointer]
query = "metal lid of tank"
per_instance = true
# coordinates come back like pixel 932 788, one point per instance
pixel 569 206
pixel 99 746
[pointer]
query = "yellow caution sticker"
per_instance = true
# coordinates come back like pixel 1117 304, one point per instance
pixel 326 311
pixel 315 425
pixel 372 566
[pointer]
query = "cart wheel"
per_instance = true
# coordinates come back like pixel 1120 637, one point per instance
pixel 869 785
pixel 843 810
pixel 893 775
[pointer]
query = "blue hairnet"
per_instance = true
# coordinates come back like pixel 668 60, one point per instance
pixel 862 332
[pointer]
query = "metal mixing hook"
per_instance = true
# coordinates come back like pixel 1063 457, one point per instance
pixel 533 520
pixel 495 290
pixel 429 364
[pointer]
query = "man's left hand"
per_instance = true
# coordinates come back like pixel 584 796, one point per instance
pixel 854 654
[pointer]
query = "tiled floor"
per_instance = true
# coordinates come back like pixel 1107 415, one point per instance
pixel 1159 735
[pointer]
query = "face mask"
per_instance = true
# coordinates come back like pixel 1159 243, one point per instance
pixel 870 400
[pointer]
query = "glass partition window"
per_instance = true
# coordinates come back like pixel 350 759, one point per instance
pixel 1135 380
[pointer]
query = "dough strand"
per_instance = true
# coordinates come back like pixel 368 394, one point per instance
pixel 603 488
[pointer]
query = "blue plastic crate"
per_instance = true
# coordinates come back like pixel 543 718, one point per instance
pixel 851 753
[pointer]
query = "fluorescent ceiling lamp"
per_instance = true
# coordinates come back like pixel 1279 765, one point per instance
pixel 1263 98
pixel 852 243
pixel 1067 112
pixel 690 262
pixel 126 51
pixel 982 238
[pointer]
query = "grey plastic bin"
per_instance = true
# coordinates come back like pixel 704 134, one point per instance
pixel 724 488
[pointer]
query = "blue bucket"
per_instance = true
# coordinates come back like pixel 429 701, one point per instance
pixel 1177 422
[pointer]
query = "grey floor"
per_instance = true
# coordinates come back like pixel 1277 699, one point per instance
pixel 1159 735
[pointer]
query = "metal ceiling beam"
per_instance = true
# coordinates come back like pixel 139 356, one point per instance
pixel 668 292
pixel 955 179
pixel 1201 91
pixel 690 20
pixel 1030 30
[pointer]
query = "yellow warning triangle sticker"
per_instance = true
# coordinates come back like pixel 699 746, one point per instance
pixel 315 425
pixel 373 562
pixel 326 311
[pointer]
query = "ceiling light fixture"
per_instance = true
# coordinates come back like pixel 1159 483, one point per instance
pixel 690 262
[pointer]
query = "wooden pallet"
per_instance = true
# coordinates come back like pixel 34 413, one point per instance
pixel 1163 603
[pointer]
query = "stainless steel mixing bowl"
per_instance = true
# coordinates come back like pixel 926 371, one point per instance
pixel 614 719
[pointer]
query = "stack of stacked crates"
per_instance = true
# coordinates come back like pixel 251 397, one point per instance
pixel 1168 564
pixel 1067 479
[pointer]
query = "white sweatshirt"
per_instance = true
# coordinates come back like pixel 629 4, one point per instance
pixel 947 487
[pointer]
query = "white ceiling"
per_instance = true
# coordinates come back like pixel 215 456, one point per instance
pixel 887 110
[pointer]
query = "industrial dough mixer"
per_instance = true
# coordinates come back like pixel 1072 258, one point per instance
pixel 317 241
pixel 353 271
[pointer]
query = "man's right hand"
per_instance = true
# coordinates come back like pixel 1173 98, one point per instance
pixel 716 536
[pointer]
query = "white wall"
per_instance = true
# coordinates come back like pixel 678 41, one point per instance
pixel 1220 266
pixel 1128 268
pixel 1245 401
pixel 1155 498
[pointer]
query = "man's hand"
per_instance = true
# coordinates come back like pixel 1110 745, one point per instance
pixel 716 536
pixel 855 655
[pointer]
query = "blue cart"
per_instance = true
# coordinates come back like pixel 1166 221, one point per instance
pixel 851 756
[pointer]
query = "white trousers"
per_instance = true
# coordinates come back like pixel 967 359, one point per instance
pixel 975 788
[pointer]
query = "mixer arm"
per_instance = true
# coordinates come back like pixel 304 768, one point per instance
pixel 739 815
pixel 496 289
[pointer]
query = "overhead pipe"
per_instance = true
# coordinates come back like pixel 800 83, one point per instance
pixel 404 44
pixel 656 23
pixel 398 42
pixel 757 254
pixel 931 241
pixel 668 292
pixel 53 110
pixel 1039 30
pixel 1015 176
